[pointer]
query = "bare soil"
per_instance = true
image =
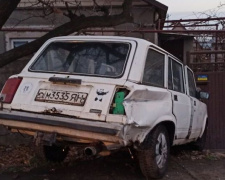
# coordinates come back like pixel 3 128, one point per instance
pixel 20 163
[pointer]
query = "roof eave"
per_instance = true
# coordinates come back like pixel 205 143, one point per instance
pixel 157 4
pixel 162 10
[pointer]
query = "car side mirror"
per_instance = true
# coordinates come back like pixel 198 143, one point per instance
pixel 202 95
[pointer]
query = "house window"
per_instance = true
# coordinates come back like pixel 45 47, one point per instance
pixel 19 42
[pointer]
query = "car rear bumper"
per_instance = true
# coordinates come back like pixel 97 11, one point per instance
pixel 69 127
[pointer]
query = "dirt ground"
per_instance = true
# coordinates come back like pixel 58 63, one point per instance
pixel 19 163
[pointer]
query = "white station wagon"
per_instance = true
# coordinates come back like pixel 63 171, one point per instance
pixel 105 93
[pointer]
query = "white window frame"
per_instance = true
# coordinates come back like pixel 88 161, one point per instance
pixel 21 36
pixel 13 40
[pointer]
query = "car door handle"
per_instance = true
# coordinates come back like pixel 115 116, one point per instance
pixel 194 103
pixel 175 98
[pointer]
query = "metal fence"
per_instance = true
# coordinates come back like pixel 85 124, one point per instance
pixel 206 61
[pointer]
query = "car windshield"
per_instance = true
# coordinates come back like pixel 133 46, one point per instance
pixel 89 58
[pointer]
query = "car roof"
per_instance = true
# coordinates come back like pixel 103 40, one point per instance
pixel 101 38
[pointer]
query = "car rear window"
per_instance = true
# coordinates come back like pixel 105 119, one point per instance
pixel 89 58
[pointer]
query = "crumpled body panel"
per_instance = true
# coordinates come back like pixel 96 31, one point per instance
pixel 145 107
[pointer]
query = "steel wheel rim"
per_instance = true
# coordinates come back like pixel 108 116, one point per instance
pixel 161 150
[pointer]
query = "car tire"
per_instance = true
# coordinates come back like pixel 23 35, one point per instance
pixel 201 142
pixel 154 153
pixel 54 153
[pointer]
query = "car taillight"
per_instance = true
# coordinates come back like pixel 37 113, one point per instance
pixel 10 89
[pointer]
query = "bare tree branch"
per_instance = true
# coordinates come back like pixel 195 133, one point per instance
pixel 99 8
pixel 70 14
pixel 6 9
pixel 49 8
pixel 74 25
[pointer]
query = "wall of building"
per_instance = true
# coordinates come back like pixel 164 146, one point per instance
pixel 177 44
pixel 188 46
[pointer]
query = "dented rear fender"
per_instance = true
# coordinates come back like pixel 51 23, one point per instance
pixel 145 108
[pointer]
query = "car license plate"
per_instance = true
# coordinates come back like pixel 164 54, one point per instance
pixel 61 97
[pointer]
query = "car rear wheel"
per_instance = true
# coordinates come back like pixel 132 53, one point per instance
pixel 154 153
pixel 54 153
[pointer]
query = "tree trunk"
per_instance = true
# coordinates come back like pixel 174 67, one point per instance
pixel 6 9
pixel 75 25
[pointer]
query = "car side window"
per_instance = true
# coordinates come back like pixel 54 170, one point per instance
pixel 191 83
pixel 178 80
pixel 154 69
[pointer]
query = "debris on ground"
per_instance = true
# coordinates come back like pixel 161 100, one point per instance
pixel 12 158
pixel 196 155
pixel 22 158
pixel 19 162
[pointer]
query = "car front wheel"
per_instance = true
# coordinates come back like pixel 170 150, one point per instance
pixel 154 153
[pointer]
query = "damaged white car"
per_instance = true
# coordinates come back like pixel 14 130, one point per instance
pixel 105 93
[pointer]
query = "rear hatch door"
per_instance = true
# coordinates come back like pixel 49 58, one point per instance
pixel 79 82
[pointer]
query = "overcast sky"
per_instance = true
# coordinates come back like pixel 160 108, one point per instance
pixel 188 8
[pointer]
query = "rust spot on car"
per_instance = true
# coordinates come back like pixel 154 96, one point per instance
pixel 53 111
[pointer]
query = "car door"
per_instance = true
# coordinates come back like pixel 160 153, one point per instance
pixel 197 117
pixel 181 102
